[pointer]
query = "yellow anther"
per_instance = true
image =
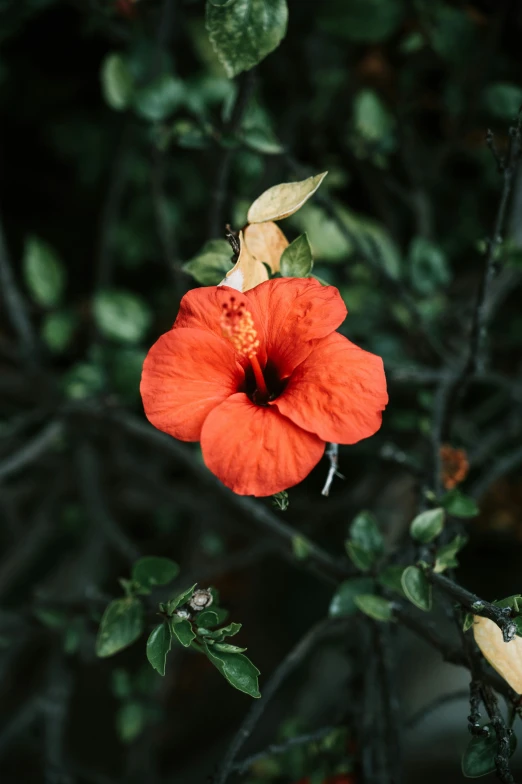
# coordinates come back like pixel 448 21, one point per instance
pixel 237 326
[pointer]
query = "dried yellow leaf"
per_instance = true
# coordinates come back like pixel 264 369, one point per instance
pixel 504 657
pixel 283 200
pixel 247 272
pixel 266 242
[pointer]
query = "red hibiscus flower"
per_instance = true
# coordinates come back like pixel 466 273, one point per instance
pixel 263 381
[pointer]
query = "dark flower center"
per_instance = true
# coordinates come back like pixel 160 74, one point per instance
pixel 274 384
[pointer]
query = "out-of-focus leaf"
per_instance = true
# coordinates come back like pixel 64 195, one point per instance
pixel 244 32
pixel 237 669
pixel 374 607
pixel 83 380
pixel 427 525
pixel 391 578
pixel 480 755
pixel 446 555
pixel 372 120
pixel 211 264
pixel 121 315
pixel 262 140
pixel 429 268
pixel 117 82
pixel 58 330
pixel 459 505
pixel 365 532
pixel 343 600
pixel 361 21
pixel 360 557
pixel 503 100
pixel 296 259
pixel 154 570
pixel 283 200
pixel 158 646
pixel 44 273
pixel 121 625
pixel 159 99
pixel 417 588
pixel 130 721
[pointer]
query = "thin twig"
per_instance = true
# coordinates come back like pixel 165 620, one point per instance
pixel 281 748
pixel 287 666
pixel 504 465
pixel 92 494
pixel 332 453
pixel 217 220
pixel 390 703
pixel 445 699
pixel 501 616
pixel 32 450
pixel 16 306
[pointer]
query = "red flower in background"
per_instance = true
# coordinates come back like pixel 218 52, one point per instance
pixel 263 381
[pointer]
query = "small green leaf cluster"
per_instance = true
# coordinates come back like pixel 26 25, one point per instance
pixel 191 619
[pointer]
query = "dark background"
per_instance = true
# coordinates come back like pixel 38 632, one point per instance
pixel 395 102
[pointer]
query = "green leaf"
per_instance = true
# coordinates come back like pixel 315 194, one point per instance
pixel 417 588
pixel 429 269
pixel 468 621
pixel 300 547
pixel 83 380
pixel 44 273
pixel 296 259
pixel 343 600
pixel 281 501
pixel 121 683
pixel 130 721
pixel 158 646
pixel 375 607
pixel 372 120
pixel 503 100
pixel 225 647
pixel 117 82
pixel 361 558
pixel 514 602
pixel 207 619
pixel 479 757
pixel 361 21
pixel 159 99
pixel 182 630
pixel 226 631
pixel 211 264
pixel 58 330
pixel 154 570
pixel 120 626
pixel 427 525
pixel 244 32
pixel 237 669
pixel 365 532
pixel 446 555
pixel 121 315
pixel 180 599
pixel 391 578
pixel 459 505
pixel 262 140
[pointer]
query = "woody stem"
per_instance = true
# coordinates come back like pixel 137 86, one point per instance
pixel 258 373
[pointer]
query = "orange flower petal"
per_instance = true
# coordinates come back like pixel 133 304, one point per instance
pixel 186 374
pixel 254 450
pixel 296 311
pixel 202 309
pixel 338 392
